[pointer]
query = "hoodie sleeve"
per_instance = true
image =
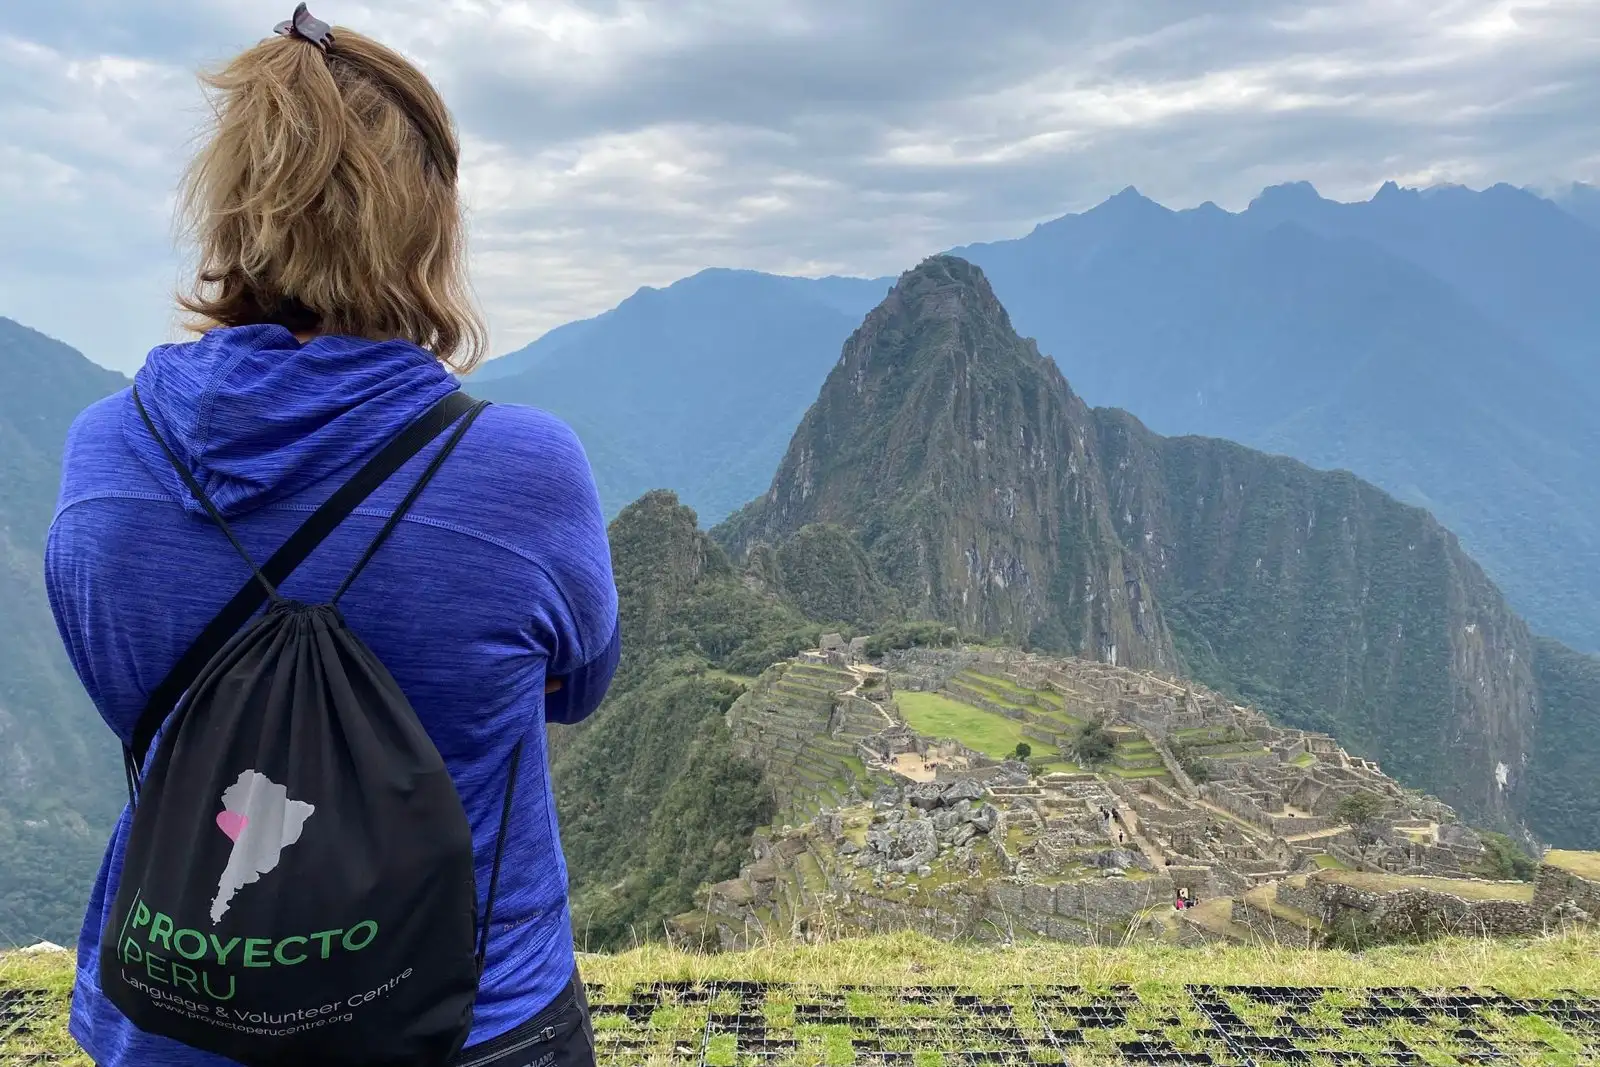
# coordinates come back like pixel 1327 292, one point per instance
pixel 561 527
pixel 583 689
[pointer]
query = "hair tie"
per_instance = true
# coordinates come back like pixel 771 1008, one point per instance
pixel 306 27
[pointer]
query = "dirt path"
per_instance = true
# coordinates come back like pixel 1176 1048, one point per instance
pixel 860 674
pixel 1317 835
pixel 1130 822
pixel 1249 828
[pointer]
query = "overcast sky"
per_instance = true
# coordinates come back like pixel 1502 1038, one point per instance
pixel 611 144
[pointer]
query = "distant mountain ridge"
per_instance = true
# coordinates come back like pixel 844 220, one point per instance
pixel 989 496
pixel 1580 199
pixel 1440 343
pixel 1376 337
pixel 696 386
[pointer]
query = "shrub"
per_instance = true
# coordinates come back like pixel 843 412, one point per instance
pixel 1505 860
pixel 1093 744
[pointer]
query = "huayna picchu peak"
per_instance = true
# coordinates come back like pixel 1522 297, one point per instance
pixel 988 496
pixel 970 472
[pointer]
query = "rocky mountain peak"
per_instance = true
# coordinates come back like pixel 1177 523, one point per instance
pixel 966 467
pixel 946 305
pixel 986 495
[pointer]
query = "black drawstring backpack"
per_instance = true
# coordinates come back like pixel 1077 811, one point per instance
pixel 298 883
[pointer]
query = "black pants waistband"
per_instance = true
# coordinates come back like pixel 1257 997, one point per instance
pixel 560 1035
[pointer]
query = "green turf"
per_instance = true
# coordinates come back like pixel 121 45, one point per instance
pixel 939 715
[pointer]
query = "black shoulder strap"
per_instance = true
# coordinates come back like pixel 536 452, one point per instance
pixel 413 439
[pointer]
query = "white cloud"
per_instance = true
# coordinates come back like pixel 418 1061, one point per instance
pixel 618 143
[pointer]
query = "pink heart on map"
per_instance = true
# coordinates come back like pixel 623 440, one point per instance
pixel 231 823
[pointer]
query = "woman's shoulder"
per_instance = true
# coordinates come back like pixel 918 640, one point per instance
pixel 96 451
pixel 526 432
pixel 99 424
pixel 528 444
pixel 529 462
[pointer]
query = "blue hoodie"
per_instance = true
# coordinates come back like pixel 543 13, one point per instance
pixel 498 576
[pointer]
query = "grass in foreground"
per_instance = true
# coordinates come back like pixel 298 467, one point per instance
pixel 35 992
pixel 1520 967
pixel 1132 995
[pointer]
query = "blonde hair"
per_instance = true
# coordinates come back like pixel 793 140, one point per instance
pixel 325 200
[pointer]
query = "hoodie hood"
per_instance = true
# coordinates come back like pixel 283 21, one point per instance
pixel 258 417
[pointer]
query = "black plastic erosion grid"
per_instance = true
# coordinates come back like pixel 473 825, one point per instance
pixel 735 1024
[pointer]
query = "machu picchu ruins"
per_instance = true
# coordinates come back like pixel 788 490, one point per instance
pixel 992 794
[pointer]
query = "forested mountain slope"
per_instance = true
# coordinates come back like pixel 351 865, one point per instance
pixel 1439 345
pixel 60 782
pixel 651 798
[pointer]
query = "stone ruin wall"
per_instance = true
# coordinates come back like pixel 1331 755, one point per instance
pixel 866 715
pixel 1303 897
pixel 1094 911
pixel 1100 909
pixel 1417 912
pixel 922 669
pixel 1186 784
pixel 1559 898
pixel 1235 804
pixel 1556 886
pixel 1434 858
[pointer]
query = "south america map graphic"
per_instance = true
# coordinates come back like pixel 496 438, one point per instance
pixel 262 821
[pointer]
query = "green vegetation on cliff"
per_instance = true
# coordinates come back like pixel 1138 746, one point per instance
pixel 652 799
pixel 1149 993
pixel 60 789
pixel 1333 606
pixel 1565 775
pixel 961 461
pixel 827 575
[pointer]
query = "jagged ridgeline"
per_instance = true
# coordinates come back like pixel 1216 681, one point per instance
pixel 981 491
